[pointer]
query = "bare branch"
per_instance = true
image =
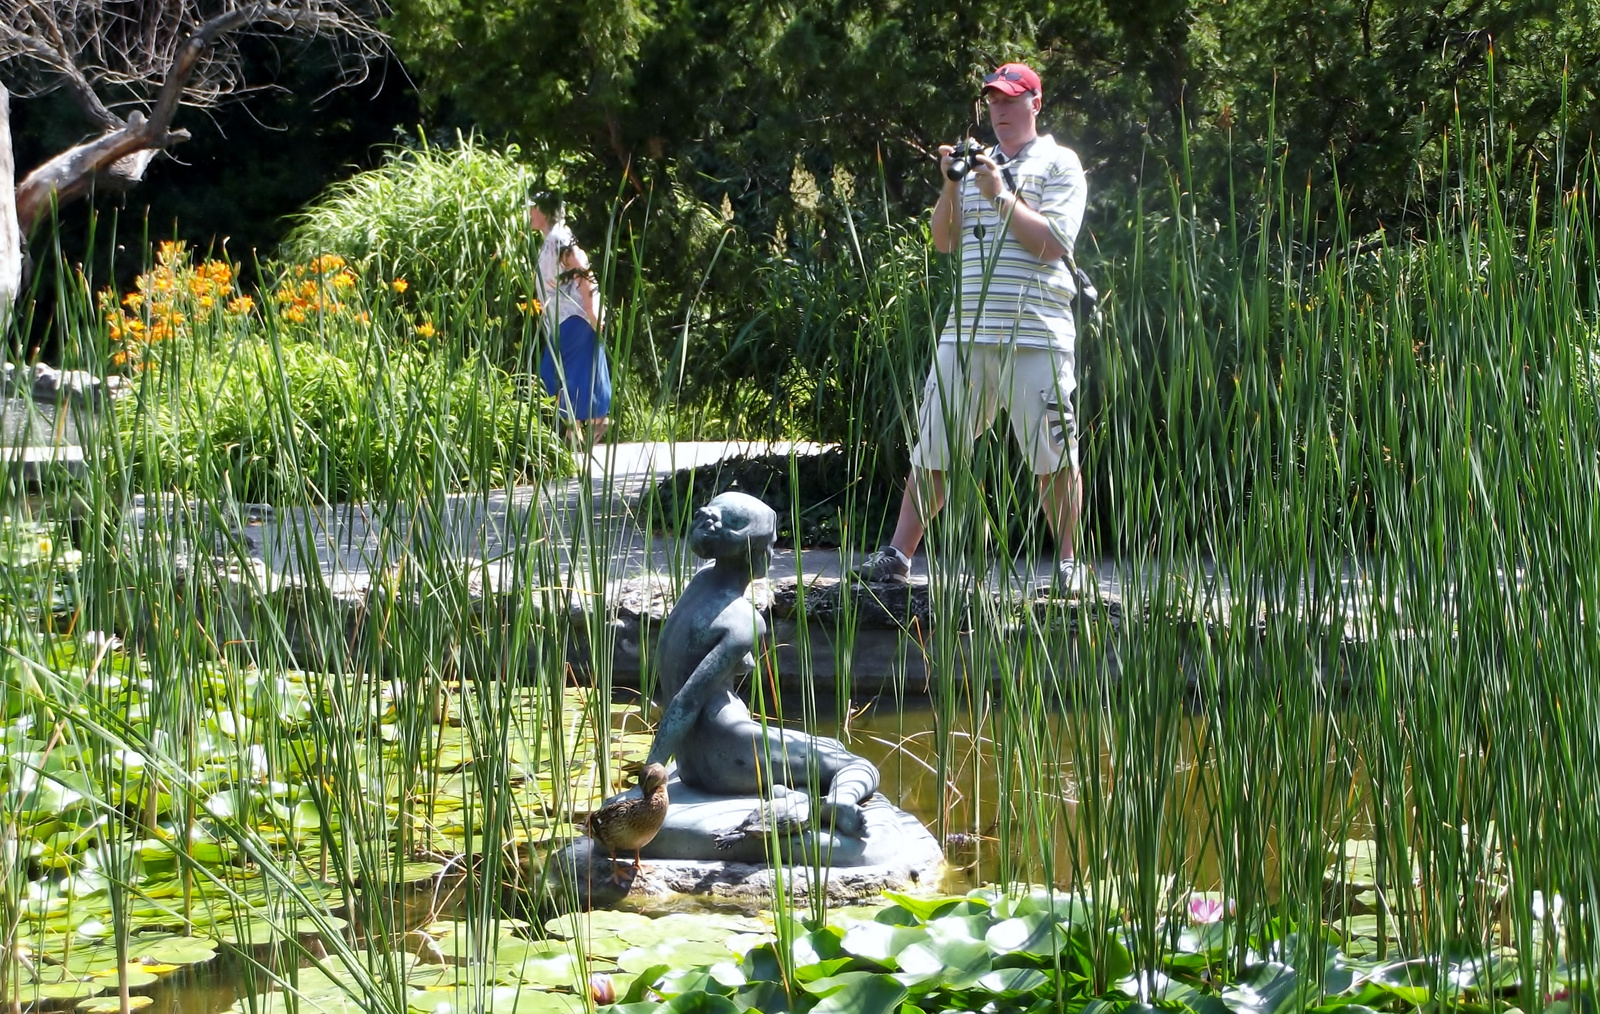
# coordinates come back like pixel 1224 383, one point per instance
pixel 155 56
pixel 121 51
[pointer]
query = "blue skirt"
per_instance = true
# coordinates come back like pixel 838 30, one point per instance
pixel 578 376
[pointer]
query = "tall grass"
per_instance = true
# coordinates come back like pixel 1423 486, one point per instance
pixel 1349 501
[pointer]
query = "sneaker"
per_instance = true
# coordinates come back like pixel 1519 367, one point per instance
pixel 885 566
pixel 1073 579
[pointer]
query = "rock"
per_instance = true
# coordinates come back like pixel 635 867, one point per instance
pixel 45 383
pixel 898 853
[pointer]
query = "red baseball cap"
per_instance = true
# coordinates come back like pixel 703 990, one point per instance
pixel 1013 79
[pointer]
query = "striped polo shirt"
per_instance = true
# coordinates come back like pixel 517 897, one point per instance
pixel 1007 295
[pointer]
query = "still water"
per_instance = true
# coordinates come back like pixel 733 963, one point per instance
pixel 989 833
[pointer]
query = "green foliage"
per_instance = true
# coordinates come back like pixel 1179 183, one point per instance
pixel 452 223
pixel 37 566
pixel 735 133
pixel 328 385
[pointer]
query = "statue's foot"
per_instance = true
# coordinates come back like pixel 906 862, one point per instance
pixel 848 819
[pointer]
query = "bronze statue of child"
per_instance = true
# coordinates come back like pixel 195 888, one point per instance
pixel 707 645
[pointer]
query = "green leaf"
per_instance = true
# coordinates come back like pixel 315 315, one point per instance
pixel 1410 981
pixel 676 953
pixel 699 1003
pixel 530 1000
pixel 957 964
pixel 599 922
pixel 881 942
pixel 830 984
pixel 1036 934
pixel 922 909
pixel 1266 989
pixel 708 927
pixel 643 983
pixel 72 989
pixel 768 997
pixel 540 964
pixel 1012 981
pixel 873 994
pixel 171 949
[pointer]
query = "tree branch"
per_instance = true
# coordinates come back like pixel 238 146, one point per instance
pixel 69 175
pixel 123 152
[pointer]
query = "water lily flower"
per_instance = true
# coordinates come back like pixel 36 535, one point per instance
pixel 1204 910
pixel 601 989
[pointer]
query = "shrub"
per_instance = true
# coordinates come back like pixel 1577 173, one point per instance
pixel 450 223
pixel 329 387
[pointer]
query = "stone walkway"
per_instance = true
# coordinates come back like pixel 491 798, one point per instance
pixel 590 554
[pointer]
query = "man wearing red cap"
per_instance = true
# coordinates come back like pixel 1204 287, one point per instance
pixel 1011 338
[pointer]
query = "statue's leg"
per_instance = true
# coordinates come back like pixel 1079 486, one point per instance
pixel 851 786
pixel 845 780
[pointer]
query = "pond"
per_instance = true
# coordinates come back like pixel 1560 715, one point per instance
pixel 967 793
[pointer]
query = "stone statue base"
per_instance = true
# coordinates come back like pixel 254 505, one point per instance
pixel 897 854
pixel 696 817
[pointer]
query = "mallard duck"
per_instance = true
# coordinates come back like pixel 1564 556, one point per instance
pixel 631 822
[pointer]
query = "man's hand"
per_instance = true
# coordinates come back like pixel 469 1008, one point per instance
pixel 947 210
pixel 986 172
pixel 945 150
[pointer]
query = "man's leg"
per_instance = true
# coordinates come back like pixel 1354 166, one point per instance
pixel 919 504
pixel 1062 496
pixel 954 409
pixel 1047 430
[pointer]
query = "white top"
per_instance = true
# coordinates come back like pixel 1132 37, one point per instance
pixel 558 294
pixel 1007 295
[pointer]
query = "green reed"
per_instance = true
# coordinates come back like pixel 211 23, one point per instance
pixel 1346 489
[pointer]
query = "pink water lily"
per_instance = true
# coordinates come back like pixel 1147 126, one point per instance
pixel 601 989
pixel 1206 910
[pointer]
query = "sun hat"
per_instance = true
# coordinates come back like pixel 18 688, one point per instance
pixel 1012 79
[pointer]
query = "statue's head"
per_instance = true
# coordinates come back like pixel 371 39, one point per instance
pixel 735 526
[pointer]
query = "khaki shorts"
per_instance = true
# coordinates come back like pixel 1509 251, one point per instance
pixel 968 384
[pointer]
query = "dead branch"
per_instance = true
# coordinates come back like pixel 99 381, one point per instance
pixel 155 56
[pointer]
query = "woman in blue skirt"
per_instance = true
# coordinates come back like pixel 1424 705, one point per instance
pixel 573 367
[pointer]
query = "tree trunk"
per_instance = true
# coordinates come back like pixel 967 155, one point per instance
pixel 10 234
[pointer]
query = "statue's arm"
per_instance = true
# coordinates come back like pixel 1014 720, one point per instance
pixel 719 664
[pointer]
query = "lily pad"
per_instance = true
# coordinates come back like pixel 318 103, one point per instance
pixel 881 942
pixel 872 994
pixel 683 926
pixel 601 921
pixel 113 1004
pixel 524 1000
pixel 171 949
pixel 314 992
pixel 957 963
pixel 1011 981
pixel 540 965
pixel 676 954
pixel 1036 934
pixel 68 990
pixel 137 977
